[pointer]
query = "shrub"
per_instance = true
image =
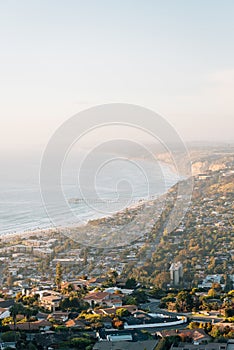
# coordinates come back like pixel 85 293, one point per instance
pixel 10 336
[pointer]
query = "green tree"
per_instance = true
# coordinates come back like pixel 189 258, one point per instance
pixel 27 312
pixel 113 276
pixel 80 343
pixel 31 347
pixel 129 300
pixel 15 310
pixel 140 296
pixel 10 336
pixel 184 301
pixel 228 283
pixel 229 312
pixel 157 293
pixel 130 283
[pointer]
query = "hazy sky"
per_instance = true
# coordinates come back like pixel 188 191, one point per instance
pixel 58 57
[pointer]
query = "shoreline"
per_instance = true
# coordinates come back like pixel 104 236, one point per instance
pixel 8 236
pixel 5 236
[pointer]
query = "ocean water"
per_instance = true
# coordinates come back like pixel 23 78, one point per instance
pixel 87 186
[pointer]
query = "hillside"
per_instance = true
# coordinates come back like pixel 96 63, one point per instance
pixel 135 241
pixel 203 158
pixel 203 242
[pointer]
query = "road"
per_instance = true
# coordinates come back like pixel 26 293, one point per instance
pixel 153 307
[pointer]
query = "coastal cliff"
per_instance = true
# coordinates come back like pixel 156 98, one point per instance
pixel 201 161
pixel 209 164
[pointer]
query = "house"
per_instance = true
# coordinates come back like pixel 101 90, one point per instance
pixel 41 316
pixel 107 322
pixel 112 310
pixel 126 345
pixel 209 280
pixel 210 346
pixel 96 281
pixel 96 298
pixel 75 324
pixel 50 339
pixel 115 302
pixel 7 345
pixel 103 299
pixel 4 312
pixel 45 292
pixel 197 336
pixel 32 326
pixel 6 303
pixel 59 316
pixel 116 290
pixel 119 337
pixel 51 302
pixel 204 176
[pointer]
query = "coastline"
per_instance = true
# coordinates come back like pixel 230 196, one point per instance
pixel 41 232
pixel 97 222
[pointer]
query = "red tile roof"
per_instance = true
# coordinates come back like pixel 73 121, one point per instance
pixel 96 296
pixel 31 325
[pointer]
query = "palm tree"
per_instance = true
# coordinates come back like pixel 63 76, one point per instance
pixel 14 310
pixel 28 313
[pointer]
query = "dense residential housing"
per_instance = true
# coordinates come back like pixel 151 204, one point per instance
pixel 175 287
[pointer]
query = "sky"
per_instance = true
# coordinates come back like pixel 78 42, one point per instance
pixel 60 57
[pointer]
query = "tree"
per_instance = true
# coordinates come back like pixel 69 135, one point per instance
pixel 58 276
pixel 31 346
pixel 184 301
pixel 27 312
pixel 140 296
pixel 80 343
pixel 130 283
pixel 122 312
pixel 117 323
pixel 113 276
pixel 85 256
pixel 157 293
pixel 14 310
pixel 194 325
pixel 162 279
pixel 129 300
pixel 161 345
pixel 9 336
pixel 228 283
pixel 73 303
pixel 215 332
pixel 229 312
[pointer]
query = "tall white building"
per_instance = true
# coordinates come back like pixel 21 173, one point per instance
pixel 176 273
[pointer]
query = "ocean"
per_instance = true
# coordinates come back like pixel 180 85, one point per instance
pixel 122 181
